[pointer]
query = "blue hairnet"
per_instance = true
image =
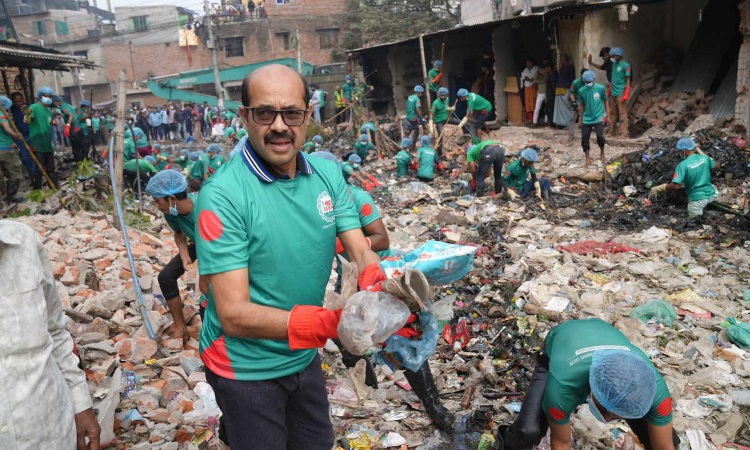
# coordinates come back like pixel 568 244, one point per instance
pixel 419 88
pixel 462 93
pixel 137 132
pixel 86 103
pixel 318 139
pixel 5 102
pixel 443 91
pixel 156 147
pixel 348 78
pixel 617 51
pixel 588 76
pixel 194 156
pixel 45 91
pixel 185 152
pixel 622 382
pixel 326 155
pixel 529 154
pixel 150 159
pixel 426 140
pixel 215 148
pixel 406 142
pixel 166 183
pixel 685 143
pixel 56 98
pixel 364 138
pixel 437 63
pixel 354 158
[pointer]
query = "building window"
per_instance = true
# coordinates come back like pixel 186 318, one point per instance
pixel 286 39
pixel 329 38
pixel 84 53
pixel 61 28
pixel 234 47
pixel 39 28
pixel 282 2
pixel 139 23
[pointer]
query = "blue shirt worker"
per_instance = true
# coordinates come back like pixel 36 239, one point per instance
pixel 694 172
pixel 264 320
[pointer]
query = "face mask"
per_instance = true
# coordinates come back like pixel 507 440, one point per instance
pixel 173 209
pixel 46 101
pixel 613 60
pixel 318 146
pixel 595 411
pixel 590 84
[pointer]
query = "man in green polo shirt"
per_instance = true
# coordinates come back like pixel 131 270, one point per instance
pixel 10 162
pixel 591 362
pixel 478 108
pixel 39 119
pixel 619 92
pixel 516 181
pixel 435 77
pixel 480 158
pixel 266 230
pixel 694 172
pixel 364 146
pixel 403 158
pixel 439 115
pixel 215 160
pixel 592 114
pixel 198 172
pixel 426 156
pixel 169 189
pixel 414 116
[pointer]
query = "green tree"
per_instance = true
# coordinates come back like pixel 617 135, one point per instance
pixel 378 21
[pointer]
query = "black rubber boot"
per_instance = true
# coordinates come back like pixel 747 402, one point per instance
pixel 545 194
pixel 11 189
pixel 423 385
pixel 350 360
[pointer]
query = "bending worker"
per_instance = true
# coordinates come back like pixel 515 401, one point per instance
pixel 482 157
pixel 477 108
pixel 694 172
pixel 517 174
pixel 591 362
pixel 169 189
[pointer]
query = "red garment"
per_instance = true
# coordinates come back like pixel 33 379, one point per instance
pixel 598 248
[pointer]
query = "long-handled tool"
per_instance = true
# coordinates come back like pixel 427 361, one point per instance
pixel 721 207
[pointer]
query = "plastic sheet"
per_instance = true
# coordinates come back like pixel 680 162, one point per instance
pixel 369 318
pixel 739 333
pixel 441 263
pixel 412 353
pixel 655 310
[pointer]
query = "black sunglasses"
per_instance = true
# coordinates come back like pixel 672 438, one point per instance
pixel 266 116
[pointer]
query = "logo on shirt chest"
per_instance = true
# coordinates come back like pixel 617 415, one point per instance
pixel 325 207
pixel 619 69
pixel 596 96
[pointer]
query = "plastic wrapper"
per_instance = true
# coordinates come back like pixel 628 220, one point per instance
pixel 441 263
pixel 412 353
pixel 739 333
pixel 659 310
pixel 369 318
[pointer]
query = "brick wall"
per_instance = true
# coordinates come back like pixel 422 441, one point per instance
pixel 79 22
pixel 142 61
pixel 306 8
pixel 741 109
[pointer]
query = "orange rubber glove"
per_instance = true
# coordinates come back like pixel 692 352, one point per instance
pixel 66 132
pixel 371 277
pixel 311 326
pixel 626 93
pixel 407 331
pixel 369 186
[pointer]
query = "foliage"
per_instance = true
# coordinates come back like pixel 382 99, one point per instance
pixel 136 220
pixel 20 213
pixel 378 21
pixel 85 170
pixel 39 196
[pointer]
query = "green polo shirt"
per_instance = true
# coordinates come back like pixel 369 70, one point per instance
pixel 245 221
pixel 240 134
pixel 143 166
pixel 161 163
pixel 110 121
pixel 570 347
pixel 362 149
pixel 347 169
pixel 439 110
pixel 368 126
pixel 40 135
pixel 79 120
pixel 620 73
pixel 575 88
pixel 348 88
pixel 426 157
pixel 95 123
pixel 129 149
pixel 199 168
pixel 6 142
pixel 412 104
pixel 475 151
pixel 309 147
pixel 215 163
pixel 695 173
pixel 478 103
pixel 186 223
pixel 431 76
pixel 228 132
pixel 403 160
pixel 67 111
pixel 516 174
pixel 593 100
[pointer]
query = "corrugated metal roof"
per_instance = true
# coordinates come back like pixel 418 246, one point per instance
pixel 726 96
pixel 19 55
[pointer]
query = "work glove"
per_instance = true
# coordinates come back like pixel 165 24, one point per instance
pixel 374 180
pixel 438 78
pixel 512 196
pixel 538 190
pixel 339 246
pixel 408 331
pixel 371 277
pixel 415 165
pixel 658 189
pixel 626 93
pixel 473 185
pixel 369 186
pixel 66 131
pixel 431 127
pixel 311 326
pixel 463 122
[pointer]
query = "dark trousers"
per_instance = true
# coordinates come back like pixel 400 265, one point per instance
pixel 412 129
pixel 492 156
pixel 290 412
pixel 439 130
pixel 80 143
pixel 586 136
pixel 528 187
pixel 171 272
pixel 47 160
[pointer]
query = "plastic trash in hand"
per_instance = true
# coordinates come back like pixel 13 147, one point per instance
pixel 659 310
pixel 369 318
pixel 739 333
pixel 414 352
pixel 411 286
pixel 440 262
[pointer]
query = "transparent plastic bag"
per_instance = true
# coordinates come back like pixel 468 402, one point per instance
pixel 369 318
pixel 659 310
pixel 414 352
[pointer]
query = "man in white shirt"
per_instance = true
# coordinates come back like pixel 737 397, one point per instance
pixel 315 101
pixel 46 402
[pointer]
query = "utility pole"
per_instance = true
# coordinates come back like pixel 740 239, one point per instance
pixel 214 58
pixel 119 140
pixel 299 52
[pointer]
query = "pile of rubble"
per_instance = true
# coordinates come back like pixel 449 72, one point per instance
pixel 533 270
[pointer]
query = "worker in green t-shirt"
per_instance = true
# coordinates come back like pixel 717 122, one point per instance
pixel 229 134
pixel 370 129
pixel 348 89
pixel 414 117
pixel 439 115
pixel 592 114
pixel 10 163
pixel 590 362
pixel 426 158
pixel 139 168
pixel 169 189
pixel 351 168
pixel 198 172
pixel 309 147
pixel 241 133
pixel 693 172
pixel 478 109
pixel 215 159
pixel 403 158
pixel 39 118
pixel 318 142
pixel 619 93
pixel 80 133
pixel 516 181
pixel 435 77
pixel 364 146
pixel 129 149
pixel 480 158
pixel 162 162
